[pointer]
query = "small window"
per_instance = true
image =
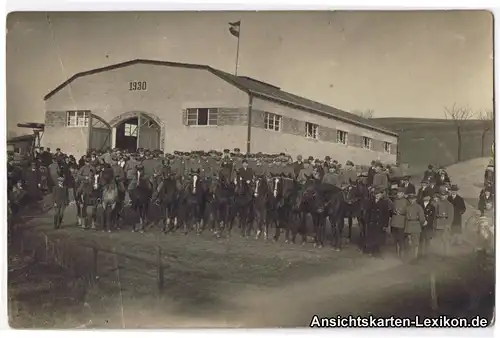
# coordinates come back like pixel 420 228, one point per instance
pixel 202 116
pixel 77 119
pixel 130 130
pixel 341 137
pixel 312 130
pixel 17 150
pixel 387 147
pixel 272 122
pixel 367 143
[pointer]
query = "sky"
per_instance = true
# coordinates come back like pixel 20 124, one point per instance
pixel 404 64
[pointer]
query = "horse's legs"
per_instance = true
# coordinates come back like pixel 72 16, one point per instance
pixel 83 219
pixel 94 215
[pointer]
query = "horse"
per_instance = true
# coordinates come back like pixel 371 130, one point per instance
pixel 280 204
pixel 311 201
pixel 89 192
pixel 140 192
pixel 191 203
pixel 166 196
pixel 109 199
pixel 243 198
pixel 260 205
pixel 220 200
pixel 349 209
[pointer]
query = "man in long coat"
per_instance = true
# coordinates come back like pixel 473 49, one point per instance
pixel 444 218
pixel 33 183
pixel 378 215
pixel 458 210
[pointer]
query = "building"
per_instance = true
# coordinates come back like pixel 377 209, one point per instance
pixel 174 106
pixel 22 145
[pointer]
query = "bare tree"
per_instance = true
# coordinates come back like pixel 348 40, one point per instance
pixel 486 116
pixel 367 113
pixel 459 116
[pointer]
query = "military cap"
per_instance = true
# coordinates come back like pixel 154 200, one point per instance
pixel 407 177
pixel 411 196
pixel 226 151
pixel 349 163
pixel 430 166
pixel 327 158
pixel 176 152
pixel 236 150
pixel 424 181
pixel 282 154
pixel 244 161
pixel 454 187
pixel 310 158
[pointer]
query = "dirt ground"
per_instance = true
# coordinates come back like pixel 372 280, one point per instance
pixel 213 282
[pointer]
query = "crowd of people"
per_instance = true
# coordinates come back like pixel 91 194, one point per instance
pixel 413 216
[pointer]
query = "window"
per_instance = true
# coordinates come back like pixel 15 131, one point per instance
pixel 202 116
pixel 130 130
pixel 272 122
pixel 312 130
pixel 77 118
pixel 341 137
pixel 387 147
pixel 367 142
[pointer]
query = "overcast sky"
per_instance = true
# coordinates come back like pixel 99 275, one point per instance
pixel 408 64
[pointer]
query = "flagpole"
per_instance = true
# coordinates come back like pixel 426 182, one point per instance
pixel 237 52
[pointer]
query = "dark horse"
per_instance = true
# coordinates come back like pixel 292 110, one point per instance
pixel 191 204
pixel 312 201
pixel 109 199
pixel 281 197
pixel 220 198
pixel 140 192
pixel 260 205
pixel 241 207
pixel 166 196
pixel 89 194
pixel 350 208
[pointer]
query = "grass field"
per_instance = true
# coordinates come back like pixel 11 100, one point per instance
pixel 434 141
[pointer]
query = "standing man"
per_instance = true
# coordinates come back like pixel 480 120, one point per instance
pixel 428 228
pixel 423 190
pixel 33 183
pixel 349 175
pixel 245 172
pixel 458 210
pixel 297 167
pixel 60 197
pixel 398 220
pixel 415 219
pixel 378 214
pixel 407 185
pixel 444 218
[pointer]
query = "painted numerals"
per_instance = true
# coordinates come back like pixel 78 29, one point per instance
pixel 137 85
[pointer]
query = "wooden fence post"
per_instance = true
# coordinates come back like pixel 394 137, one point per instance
pixel 94 264
pixel 160 270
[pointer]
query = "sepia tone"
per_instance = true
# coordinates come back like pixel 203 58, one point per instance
pixel 249 169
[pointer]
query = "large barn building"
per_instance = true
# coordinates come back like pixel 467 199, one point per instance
pixel 174 106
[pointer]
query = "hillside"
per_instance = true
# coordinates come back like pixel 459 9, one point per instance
pixel 425 141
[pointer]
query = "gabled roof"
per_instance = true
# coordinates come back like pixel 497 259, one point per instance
pixel 250 86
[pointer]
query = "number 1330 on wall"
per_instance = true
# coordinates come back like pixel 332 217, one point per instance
pixel 137 85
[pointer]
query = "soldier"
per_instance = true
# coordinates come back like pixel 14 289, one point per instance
pixel 409 187
pixel 442 177
pixel 53 173
pixel 444 218
pixel 237 160
pixel 297 166
pixel 130 170
pixel 60 198
pixel 149 164
pixel 424 189
pixel 305 173
pixel 371 173
pixel 380 178
pixel 349 175
pixel 85 173
pixel 332 178
pixel 429 173
pixel 378 215
pixel 33 183
pixel 107 156
pixel 398 218
pixel 227 165
pixel 245 172
pixel 415 219
pixel 286 169
pixel 428 228
pixel 458 210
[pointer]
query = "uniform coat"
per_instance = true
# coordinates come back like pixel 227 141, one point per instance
pixel 349 176
pixel 409 188
pixel 380 181
pixel 297 167
pixel 246 174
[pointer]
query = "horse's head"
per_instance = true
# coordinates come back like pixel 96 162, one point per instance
pixel 259 186
pixel 95 180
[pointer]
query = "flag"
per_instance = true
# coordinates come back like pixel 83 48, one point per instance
pixel 234 28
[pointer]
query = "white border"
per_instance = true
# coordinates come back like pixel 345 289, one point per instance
pixel 96 5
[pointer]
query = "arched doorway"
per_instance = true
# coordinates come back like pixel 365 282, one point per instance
pixel 137 130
